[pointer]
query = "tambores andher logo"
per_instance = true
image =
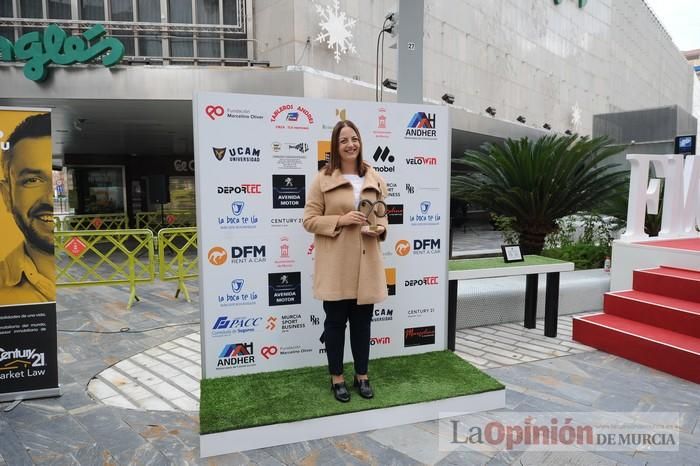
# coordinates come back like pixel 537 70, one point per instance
pixel 288 191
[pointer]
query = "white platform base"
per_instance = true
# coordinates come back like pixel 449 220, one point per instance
pixel 330 426
pixel 628 257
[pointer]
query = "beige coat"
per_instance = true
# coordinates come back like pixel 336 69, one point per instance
pixel 348 264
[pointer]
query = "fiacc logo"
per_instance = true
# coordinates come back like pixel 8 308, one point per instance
pixel 214 111
pixel 421 126
pixel 217 255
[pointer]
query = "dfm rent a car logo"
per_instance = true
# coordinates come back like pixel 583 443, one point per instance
pixel 217 255
pixel 248 254
pixel 420 246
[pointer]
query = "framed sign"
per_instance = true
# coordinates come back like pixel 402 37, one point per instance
pixel 512 253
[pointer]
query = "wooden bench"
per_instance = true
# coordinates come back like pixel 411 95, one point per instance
pixel 492 267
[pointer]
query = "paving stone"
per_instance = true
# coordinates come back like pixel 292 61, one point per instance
pixel 551 458
pixel 12 451
pixel 120 402
pixel 156 404
pixel 60 435
pixel 411 441
pixel 296 452
pixel 462 458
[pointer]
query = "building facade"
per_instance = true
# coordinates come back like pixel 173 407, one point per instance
pixel 538 65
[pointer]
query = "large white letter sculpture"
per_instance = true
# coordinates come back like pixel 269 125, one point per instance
pixel 681 195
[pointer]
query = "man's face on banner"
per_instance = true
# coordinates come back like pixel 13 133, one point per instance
pixel 30 191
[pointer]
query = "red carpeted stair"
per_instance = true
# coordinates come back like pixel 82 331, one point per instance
pixel 657 323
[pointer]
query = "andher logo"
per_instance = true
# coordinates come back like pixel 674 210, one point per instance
pixel 402 247
pixel 421 126
pixel 217 255
pixel 214 111
pixel 236 355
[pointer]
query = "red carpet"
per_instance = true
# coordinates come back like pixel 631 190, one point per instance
pixel 689 244
pixel 656 324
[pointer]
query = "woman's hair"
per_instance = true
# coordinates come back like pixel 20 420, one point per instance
pixel 334 162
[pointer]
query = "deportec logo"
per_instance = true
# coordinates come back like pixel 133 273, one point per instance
pixel 238 154
pixel 241 189
pixel 421 126
pixel 236 355
pixel 217 255
pixel 431 280
pixel 421 160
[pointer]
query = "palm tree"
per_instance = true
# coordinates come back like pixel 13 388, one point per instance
pixel 538 182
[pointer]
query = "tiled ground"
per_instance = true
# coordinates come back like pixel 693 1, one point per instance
pixel 166 377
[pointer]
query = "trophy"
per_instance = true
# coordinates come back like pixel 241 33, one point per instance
pixel 368 207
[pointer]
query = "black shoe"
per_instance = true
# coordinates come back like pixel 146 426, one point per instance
pixel 340 391
pixel 363 388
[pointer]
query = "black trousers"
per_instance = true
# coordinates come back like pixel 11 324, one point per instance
pixel 338 313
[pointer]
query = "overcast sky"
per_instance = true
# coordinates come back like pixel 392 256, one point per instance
pixel 681 18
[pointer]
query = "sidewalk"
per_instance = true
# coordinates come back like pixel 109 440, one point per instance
pixel 541 374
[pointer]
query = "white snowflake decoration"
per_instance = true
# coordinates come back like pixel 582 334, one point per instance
pixel 336 29
pixel 576 116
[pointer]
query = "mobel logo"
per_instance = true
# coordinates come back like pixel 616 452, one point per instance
pixel 53 45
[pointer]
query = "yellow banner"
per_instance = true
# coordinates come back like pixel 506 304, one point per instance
pixel 27 266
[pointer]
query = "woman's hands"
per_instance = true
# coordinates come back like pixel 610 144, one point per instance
pixel 354 217
pixel 365 230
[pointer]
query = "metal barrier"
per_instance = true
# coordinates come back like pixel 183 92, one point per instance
pixel 95 222
pixel 177 257
pixel 105 258
pixel 156 221
pixel 57 223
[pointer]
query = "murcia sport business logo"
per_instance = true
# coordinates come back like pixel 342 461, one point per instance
pixel 421 126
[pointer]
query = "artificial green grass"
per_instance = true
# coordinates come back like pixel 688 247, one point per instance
pixel 496 262
pixel 253 400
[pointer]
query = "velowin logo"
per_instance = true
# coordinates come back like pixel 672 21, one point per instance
pixel 53 45
pixel 581 3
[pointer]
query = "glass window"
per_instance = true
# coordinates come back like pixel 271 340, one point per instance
pixel 208 45
pixel 233 46
pixel 30 9
pixel 123 10
pixel 181 43
pixel 6 12
pixel 149 12
pixel 98 190
pixel 181 193
pixel 59 9
pixel 92 10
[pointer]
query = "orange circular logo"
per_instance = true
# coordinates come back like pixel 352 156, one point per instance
pixel 217 255
pixel 402 247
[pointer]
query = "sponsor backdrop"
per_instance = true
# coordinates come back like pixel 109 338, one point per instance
pixel 255 157
pixel 28 349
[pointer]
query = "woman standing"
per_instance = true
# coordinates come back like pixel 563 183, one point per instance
pixel 348 270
